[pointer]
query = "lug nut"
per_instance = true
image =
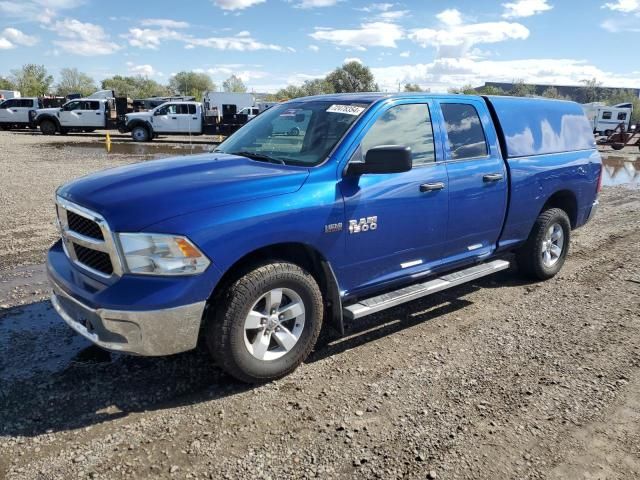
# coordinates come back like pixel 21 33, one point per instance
pixel 281 317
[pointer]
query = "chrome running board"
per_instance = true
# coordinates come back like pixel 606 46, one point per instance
pixel 376 304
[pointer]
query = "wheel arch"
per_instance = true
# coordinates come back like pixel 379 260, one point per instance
pixel 565 200
pixel 140 123
pixel 53 118
pixel 301 254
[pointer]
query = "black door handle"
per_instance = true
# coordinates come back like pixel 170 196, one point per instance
pixel 79 113
pixel 493 177
pixel 431 187
pixel 174 118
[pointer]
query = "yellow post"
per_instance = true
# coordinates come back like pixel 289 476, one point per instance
pixel 108 142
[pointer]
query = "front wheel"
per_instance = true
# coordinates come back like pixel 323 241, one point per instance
pixel 140 134
pixel 266 324
pixel 47 127
pixel 545 251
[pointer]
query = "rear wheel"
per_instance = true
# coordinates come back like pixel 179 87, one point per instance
pixel 266 323
pixel 140 134
pixel 48 127
pixel 546 249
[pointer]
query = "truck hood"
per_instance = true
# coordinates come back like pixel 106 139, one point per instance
pixel 145 115
pixel 135 196
pixel 40 111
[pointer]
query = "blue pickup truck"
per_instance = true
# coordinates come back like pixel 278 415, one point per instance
pixel 376 200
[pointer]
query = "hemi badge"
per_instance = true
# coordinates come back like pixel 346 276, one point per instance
pixel 411 264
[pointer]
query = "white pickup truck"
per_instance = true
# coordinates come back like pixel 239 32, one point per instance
pixel 18 112
pixel 178 118
pixel 79 115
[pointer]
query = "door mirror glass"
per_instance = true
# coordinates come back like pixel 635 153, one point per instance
pixel 383 159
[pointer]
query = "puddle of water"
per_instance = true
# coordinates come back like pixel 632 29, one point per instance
pixel 137 149
pixel 620 171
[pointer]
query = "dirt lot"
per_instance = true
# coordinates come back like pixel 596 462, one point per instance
pixel 498 379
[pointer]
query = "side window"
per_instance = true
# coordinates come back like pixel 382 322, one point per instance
pixel 192 109
pixel 464 130
pixel 72 106
pixel 606 115
pixel 10 103
pixel 182 109
pixel 406 125
pixel 25 103
pixel 93 106
pixel 622 116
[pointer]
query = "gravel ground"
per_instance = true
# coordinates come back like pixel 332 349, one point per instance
pixel 497 379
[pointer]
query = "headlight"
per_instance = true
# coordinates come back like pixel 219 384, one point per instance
pixel 156 254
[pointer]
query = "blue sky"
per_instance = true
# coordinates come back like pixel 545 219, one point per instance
pixel 271 43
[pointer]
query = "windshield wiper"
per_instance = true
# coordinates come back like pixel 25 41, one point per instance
pixel 259 156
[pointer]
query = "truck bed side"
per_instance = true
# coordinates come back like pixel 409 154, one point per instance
pixel 551 159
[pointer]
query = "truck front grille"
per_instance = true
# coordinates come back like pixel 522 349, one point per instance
pixel 87 240
pixel 94 259
pixel 84 226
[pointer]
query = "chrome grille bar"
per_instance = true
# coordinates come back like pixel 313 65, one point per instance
pixel 70 237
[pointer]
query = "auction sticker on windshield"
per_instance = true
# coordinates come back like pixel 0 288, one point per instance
pixel 346 109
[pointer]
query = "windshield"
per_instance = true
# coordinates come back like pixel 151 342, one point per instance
pixel 295 133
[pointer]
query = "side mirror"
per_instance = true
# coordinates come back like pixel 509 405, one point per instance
pixel 384 159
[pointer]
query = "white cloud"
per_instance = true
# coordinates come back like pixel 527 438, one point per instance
pixel 444 73
pixel 375 34
pixel 316 3
pixel 405 54
pixel 163 23
pixel 151 37
pixel 450 16
pixel 242 42
pixel 377 7
pixel 236 4
pixel 82 38
pixel 145 70
pixel 12 37
pixel 456 39
pixel 42 11
pixel 624 6
pixel 352 59
pixel 314 48
pixel 525 8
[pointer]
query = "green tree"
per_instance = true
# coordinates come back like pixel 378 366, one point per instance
pixel 73 81
pixel 234 84
pixel 521 89
pixel 135 87
pixel 352 77
pixel 592 91
pixel 191 83
pixel 465 90
pixel 317 86
pixel 552 92
pixel 412 87
pixel 490 90
pixel 31 80
pixel 6 84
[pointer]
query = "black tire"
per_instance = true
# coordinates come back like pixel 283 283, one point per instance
pixel 140 133
pixel 48 127
pixel 531 256
pixel 225 329
pixel 618 146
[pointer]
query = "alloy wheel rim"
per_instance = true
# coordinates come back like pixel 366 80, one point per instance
pixel 274 324
pixel 552 245
pixel 138 134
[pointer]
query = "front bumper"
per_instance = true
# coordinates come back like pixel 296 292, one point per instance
pixel 148 333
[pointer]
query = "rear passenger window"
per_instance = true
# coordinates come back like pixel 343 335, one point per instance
pixel 92 106
pixel 192 109
pixel 25 103
pixel 406 125
pixel 464 130
pixel 606 115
